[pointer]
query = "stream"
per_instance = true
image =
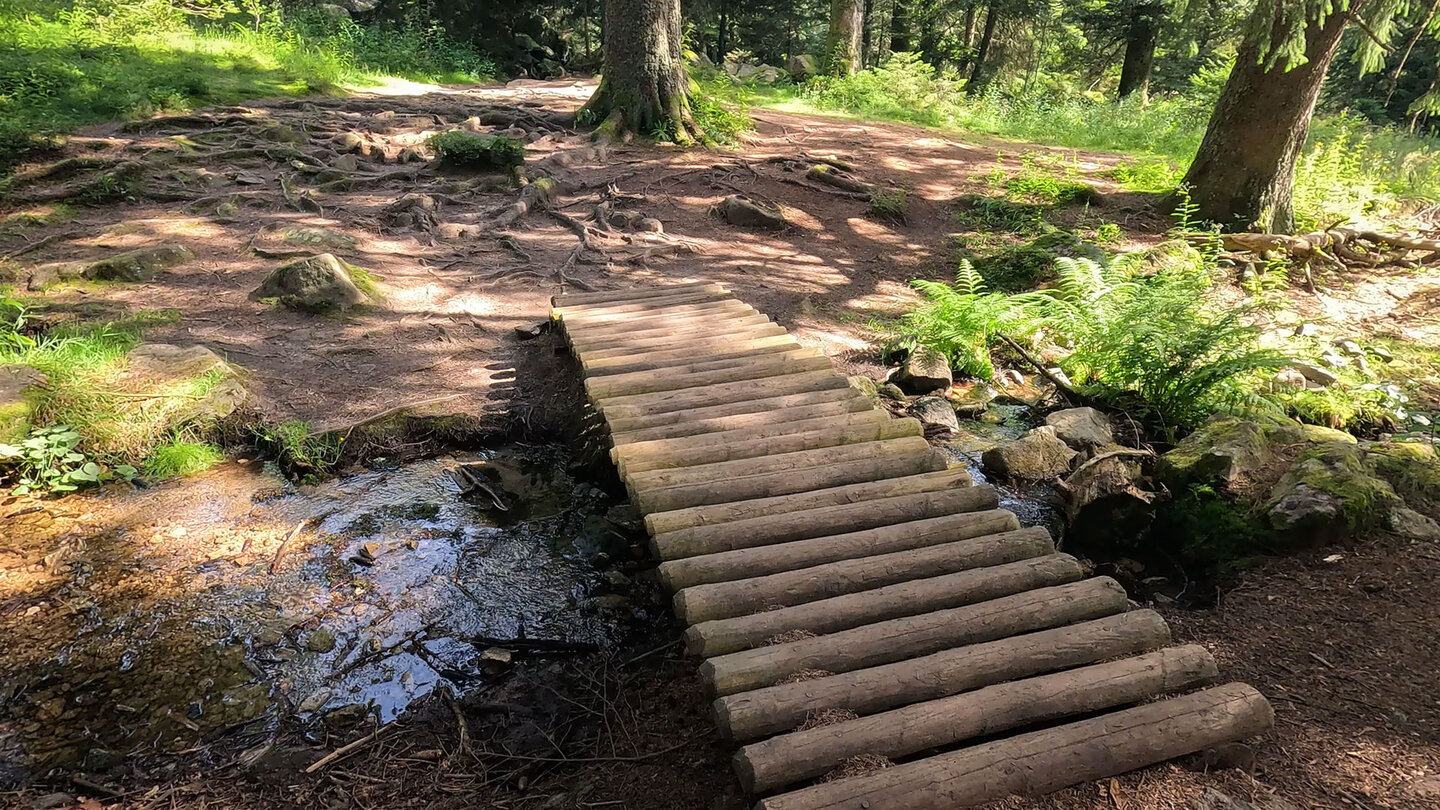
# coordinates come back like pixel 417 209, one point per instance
pixel 143 621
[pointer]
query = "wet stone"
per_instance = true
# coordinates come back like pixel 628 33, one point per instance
pixel 320 640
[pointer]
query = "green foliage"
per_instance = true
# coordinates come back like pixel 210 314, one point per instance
pixel 300 450
pixel 47 462
pixel 1016 268
pixel 1108 233
pixel 961 320
pixel 1050 184
pixel 1212 529
pixel 468 150
pixel 887 204
pixel 1000 214
pixel 178 457
pixel 1147 174
pixel 722 123
pixel 14 315
pixel 64 65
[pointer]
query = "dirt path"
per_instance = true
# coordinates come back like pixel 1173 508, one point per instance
pixel 1359 728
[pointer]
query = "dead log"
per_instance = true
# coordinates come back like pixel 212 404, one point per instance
pixel 776 709
pixel 1050 759
pixel 830 176
pixel 828 406
pixel 687 399
pixel 912 636
pixel 752 369
pixel 676 358
pixel 627 424
pixel 882 604
pixel 691 451
pixel 788 759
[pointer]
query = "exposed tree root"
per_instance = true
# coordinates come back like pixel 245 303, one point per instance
pixel 1338 248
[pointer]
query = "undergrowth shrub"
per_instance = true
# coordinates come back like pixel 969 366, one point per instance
pixel 468 150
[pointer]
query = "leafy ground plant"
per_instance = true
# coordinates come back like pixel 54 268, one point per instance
pixel 468 150
pixel 47 462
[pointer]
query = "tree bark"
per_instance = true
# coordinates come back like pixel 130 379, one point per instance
pixel 644 87
pixel 978 76
pixel 1244 172
pixel 722 37
pixel 900 27
pixel 1140 38
pixel 842 46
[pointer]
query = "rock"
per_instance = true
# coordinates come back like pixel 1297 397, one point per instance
pixel 347 716
pixel 52 800
pixel 1224 450
pixel 1350 348
pixel 1288 379
pixel 1212 799
pixel 1411 525
pixel 1320 376
pixel 1306 330
pixel 970 400
pixel 745 72
pixel 318 237
pixel 42 276
pixel 18 386
pixel 925 370
pixel 314 702
pixel 933 411
pixel 649 225
pixel 866 386
pixel 737 210
pixel 316 284
pixel 1382 353
pixel 768 74
pixel 139 265
pixel 345 163
pixel 1082 428
pixel 1320 434
pixel 320 640
pixel 1036 456
pixel 496 660
pixel 1329 492
pixel 532 331
pixel 157 366
pixel 1333 360
pixel 892 391
pixel 802 66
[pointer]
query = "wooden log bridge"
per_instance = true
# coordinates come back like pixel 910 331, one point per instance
pixel 867 616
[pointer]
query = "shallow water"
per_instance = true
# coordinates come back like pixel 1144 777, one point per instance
pixel 151 621
pixel 1003 423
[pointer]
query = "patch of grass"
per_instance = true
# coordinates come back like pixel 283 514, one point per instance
pixel 178 457
pixel 64 65
pixel 1153 175
pixel 303 453
pixel 468 150
pixel 364 280
pixel 722 122
pixel 888 204
pixel 1016 268
pixel 1210 529
pixel 1000 214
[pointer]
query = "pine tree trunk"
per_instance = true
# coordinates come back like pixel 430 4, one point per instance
pixel 900 27
pixel 644 88
pixel 978 79
pixel 1244 172
pixel 722 37
pixel 842 47
pixel 1140 49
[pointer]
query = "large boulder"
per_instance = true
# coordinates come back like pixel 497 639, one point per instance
pixel 320 283
pixel 865 385
pixel 935 412
pixel 1329 491
pixel 737 210
pixel 1225 450
pixel 925 370
pixel 139 265
pixel 18 386
pixel 1036 456
pixel 162 367
pixel 1082 428
pixel 802 66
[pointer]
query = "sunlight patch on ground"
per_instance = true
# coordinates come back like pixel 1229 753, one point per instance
pixel 827 338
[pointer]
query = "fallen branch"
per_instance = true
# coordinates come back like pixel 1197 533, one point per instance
pixel 1060 385
pixel 38 243
pixel 285 546
pixel 346 750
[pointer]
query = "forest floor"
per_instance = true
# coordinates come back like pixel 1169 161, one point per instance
pixel 1342 639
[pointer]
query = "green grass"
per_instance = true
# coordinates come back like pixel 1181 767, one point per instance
pixel 179 457
pixel 458 148
pixel 63 66
pixel 1349 169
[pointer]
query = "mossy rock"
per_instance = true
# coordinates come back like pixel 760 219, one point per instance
pixel 318 237
pixel 139 265
pixel 1329 491
pixel 320 283
pixel 866 386
pixel 1225 450
pixel 1411 468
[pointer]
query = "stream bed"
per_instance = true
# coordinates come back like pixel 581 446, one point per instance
pixel 143 621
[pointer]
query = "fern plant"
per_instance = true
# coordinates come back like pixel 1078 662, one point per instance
pixel 962 319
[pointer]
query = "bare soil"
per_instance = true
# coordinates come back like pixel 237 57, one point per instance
pixel 1346 648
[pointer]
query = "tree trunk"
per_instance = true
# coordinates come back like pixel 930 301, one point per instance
pixel 867 20
pixel 722 38
pixel 900 27
pixel 978 77
pixel 1244 172
pixel 1140 49
pixel 842 47
pixel 644 87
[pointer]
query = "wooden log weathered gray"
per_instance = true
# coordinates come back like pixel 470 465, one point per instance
pixel 889 460
pixel 852 517
pixel 626 424
pixel 754 368
pixel 619 321
pixel 691 398
pixel 560 302
pixel 810 498
pixel 851 428
pixel 671 358
pixel 837 403
pixel 580 315
pixel 916 596
pixel 760 561
pixel 790 758
pixel 1049 759
pixel 897 639
pixel 724 600
pixel 776 709
pixel 705 336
